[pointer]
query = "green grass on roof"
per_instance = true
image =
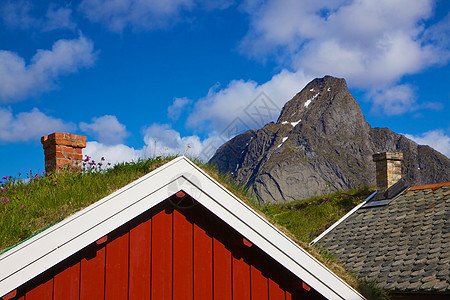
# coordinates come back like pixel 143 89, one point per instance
pixel 306 219
pixel 28 206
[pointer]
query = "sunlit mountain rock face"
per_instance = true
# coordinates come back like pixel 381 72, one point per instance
pixel 319 144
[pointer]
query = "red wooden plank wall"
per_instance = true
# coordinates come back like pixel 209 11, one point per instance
pixel 161 274
pixel 183 263
pixel 140 257
pixel 168 254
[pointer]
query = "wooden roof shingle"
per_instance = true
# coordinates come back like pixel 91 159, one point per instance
pixel 403 246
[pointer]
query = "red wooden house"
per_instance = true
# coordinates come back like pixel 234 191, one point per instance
pixel 173 234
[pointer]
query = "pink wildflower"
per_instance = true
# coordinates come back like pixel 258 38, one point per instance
pixel 56 183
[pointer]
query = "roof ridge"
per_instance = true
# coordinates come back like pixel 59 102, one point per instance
pixel 429 186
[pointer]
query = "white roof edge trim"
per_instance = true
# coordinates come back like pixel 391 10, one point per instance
pixel 342 219
pixel 316 264
pixel 52 245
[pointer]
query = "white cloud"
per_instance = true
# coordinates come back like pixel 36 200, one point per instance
pixel 367 42
pixel 29 125
pixel 365 69
pixel 20 80
pixel 372 44
pixel 395 100
pixel 143 14
pixel 179 104
pixel 57 18
pixel 242 99
pixel 438 34
pixel 160 140
pixel 22 15
pixel 399 99
pixel 107 129
pixel 436 139
pixel 17 14
pixel 112 153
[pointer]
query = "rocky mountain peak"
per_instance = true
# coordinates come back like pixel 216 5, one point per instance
pixel 319 144
pixel 314 92
pixel 326 104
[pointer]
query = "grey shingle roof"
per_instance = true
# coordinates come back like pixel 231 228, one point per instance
pixel 403 246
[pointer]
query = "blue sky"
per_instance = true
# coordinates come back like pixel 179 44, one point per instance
pixel 148 77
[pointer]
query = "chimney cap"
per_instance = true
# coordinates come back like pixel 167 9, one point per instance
pixel 63 135
pixel 387 156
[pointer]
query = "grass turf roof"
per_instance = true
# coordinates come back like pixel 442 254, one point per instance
pixel 29 206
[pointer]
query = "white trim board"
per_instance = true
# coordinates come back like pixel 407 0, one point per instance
pixel 342 219
pixel 41 252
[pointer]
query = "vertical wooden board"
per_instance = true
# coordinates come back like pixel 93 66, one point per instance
pixel 21 298
pixel 222 272
pixel 275 292
pixel 241 279
pixel 40 290
pixel 183 281
pixel 203 273
pixel 116 277
pixel 92 281
pixel 259 282
pixel 288 296
pixel 161 276
pixel 140 258
pixel 66 284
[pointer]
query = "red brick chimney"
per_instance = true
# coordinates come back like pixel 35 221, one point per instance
pixel 62 149
pixel 388 169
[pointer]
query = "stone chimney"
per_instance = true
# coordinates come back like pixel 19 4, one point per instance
pixel 62 149
pixel 388 169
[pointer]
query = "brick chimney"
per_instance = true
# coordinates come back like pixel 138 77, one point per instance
pixel 62 149
pixel 388 169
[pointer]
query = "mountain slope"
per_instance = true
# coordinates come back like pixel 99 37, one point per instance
pixel 320 143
